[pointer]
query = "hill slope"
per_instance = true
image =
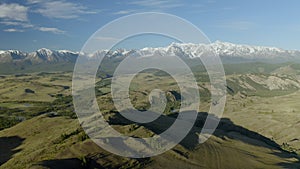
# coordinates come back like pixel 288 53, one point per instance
pixel 48 142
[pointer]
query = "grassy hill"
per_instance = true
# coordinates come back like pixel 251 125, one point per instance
pixel 58 142
pixel 259 129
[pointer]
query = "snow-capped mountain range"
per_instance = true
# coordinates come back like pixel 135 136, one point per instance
pixel 40 56
pixel 224 49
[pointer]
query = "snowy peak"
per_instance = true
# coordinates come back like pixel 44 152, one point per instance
pixel 44 51
pixel 40 56
pixel 234 50
pixel 225 50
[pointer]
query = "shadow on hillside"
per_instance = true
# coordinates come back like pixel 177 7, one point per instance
pixel 8 147
pixel 226 128
pixel 289 165
pixel 72 163
pixel 93 161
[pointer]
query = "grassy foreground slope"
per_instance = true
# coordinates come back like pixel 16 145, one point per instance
pixel 58 142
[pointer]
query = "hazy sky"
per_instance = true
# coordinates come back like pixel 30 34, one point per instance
pixel 64 24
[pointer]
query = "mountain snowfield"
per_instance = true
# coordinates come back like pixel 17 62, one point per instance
pixel 224 49
pixel 39 56
pixel 188 50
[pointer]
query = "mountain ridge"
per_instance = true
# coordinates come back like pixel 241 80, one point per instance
pixel 225 50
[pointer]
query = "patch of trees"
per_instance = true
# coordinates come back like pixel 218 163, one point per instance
pixel 7 122
pixel 63 105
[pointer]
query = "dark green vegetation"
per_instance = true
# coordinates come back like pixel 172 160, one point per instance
pixel 6 122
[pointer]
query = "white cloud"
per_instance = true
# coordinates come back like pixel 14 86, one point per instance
pixel 15 15
pixel 157 4
pixel 13 11
pixel 52 30
pixel 13 30
pixel 102 38
pixel 60 9
pixel 14 23
pixel 124 12
pixel 35 1
pixel 28 25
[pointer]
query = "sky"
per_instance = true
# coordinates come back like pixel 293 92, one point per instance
pixel 28 25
